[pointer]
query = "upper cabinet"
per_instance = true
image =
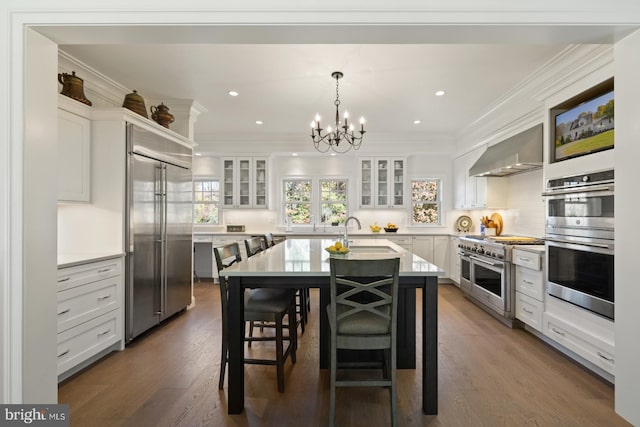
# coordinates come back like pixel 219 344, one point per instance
pixel 244 182
pixel 74 151
pixel 476 192
pixel 382 182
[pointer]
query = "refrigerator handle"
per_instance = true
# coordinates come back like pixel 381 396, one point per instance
pixel 163 230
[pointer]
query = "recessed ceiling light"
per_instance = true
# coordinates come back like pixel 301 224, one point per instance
pixel 294 154
pixel 258 122
pixel 233 93
pixel 416 122
pixel 333 154
pixel 440 93
pixel 198 154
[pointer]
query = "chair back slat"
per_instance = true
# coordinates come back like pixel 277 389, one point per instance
pixel 268 240
pixel 253 246
pixel 359 286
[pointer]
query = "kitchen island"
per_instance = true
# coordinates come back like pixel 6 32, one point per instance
pixel 298 263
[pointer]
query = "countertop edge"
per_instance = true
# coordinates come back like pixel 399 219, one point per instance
pixel 72 260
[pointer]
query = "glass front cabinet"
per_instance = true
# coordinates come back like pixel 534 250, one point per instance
pixel 244 182
pixel 382 182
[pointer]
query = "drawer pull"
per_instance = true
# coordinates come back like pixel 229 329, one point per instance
pixel 64 312
pixel 608 359
pixel 63 353
pixel 528 282
pixel 557 331
pixel 524 259
pixel 66 279
pixel 526 310
pixel 104 297
pixel 104 333
pixel 104 270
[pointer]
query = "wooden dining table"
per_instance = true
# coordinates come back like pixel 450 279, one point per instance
pixel 300 263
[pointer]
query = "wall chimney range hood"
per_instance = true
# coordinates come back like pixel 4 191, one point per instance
pixel 520 153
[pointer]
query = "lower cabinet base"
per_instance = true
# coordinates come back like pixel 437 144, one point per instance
pixel 119 346
pixel 597 370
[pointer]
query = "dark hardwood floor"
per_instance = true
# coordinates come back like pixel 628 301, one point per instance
pixel 489 375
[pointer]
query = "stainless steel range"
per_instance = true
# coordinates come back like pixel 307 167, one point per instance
pixel 486 272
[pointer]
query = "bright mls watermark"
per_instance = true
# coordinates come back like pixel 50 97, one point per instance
pixel 36 415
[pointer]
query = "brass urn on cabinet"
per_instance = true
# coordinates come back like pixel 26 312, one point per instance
pixel 73 87
pixel 161 115
pixel 134 102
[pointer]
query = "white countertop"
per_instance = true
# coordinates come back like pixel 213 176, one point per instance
pixel 307 257
pixel 70 260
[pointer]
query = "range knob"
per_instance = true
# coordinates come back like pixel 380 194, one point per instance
pixel 480 250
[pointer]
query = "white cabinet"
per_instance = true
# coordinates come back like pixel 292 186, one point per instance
pixel 382 182
pixel 476 192
pixel 244 182
pixel 529 283
pixel 441 252
pixel 591 347
pixel 423 247
pixel 74 151
pixel 454 260
pixel 405 242
pixel 89 312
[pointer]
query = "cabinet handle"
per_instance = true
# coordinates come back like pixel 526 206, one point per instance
pixel 104 297
pixel 63 353
pixel 526 310
pixel 524 259
pixel 608 359
pixel 557 331
pixel 104 333
pixel 104 270
pixel 66 279
pixel 64 312
pixel 527 282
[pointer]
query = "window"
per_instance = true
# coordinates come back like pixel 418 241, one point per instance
pixel 297 201
pixel 206 199
pixel 333 201
pixel 426 201
pixel 315 201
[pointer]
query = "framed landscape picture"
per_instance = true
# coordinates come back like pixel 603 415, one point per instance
pixel 584 124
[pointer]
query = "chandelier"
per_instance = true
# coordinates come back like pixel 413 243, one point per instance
pixel 342 138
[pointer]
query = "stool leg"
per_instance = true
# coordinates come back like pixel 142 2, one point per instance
pixel 279 355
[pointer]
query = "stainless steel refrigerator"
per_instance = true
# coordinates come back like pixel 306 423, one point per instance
pixel 159 229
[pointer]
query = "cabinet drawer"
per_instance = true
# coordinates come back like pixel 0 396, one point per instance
pixel 529 282
pixel 87 273
pixel 529 310
pixel 527 259
pixel 590 347
pixel 82 303
pixel 77 344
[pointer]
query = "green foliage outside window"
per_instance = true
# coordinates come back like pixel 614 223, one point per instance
pixel 297 196
pixel 425 201
pixel 333 207
pixel 206 199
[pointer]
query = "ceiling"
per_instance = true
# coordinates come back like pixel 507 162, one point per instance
pixel 284 84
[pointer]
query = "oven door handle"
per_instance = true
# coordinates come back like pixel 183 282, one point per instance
pixel 483 261
pixel 596 245
pixel 604 187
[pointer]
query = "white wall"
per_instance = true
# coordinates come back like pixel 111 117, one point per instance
pixel 627 291
pixel 39 362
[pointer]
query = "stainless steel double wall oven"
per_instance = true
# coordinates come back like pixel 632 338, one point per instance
pixel 580 240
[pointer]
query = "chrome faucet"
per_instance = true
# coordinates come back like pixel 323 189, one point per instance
pixel 345 238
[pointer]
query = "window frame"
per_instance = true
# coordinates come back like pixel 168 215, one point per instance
pixel 315 199
pixel 206 178
pixel 439 202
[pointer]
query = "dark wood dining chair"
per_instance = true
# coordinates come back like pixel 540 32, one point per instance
pixel 268 306
pixel 363 316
